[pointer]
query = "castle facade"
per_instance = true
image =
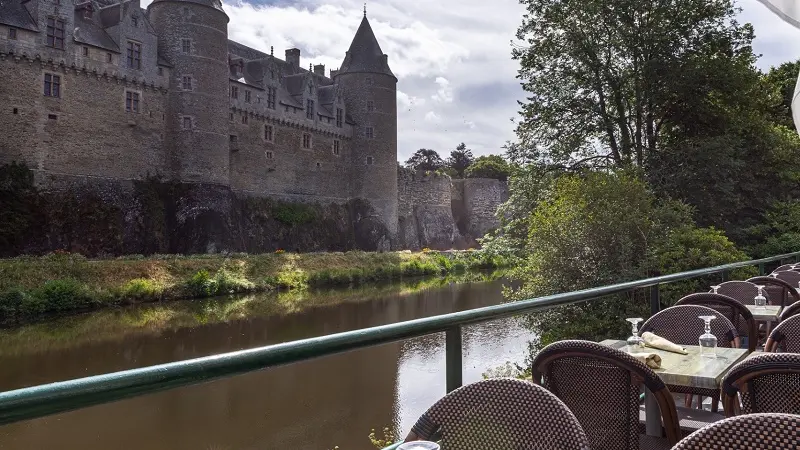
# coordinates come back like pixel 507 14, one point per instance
pixel 107 90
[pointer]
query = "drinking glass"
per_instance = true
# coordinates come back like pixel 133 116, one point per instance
pixel 708 342
pixel 715 288
pixel 760 300
pixel 635 342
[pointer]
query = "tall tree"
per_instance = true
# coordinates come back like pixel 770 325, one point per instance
pixel 783 80
pixel 605 79
pixel 460 159
pixel 425 159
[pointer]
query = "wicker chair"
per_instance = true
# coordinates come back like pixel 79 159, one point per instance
pixel 785 267
pixel 778 290
pixel 756 431
pixel 789 311
pixel 737 313
pixel 790 276
pixel 601 386
pixel 741 291
pixel 501 413
pixel 681 325
pixel 765 383
pixel 785 337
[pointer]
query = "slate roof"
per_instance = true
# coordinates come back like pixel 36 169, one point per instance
pixel 216 4
pixel 365 54
pixel 109 15
pixel 326 95
pixel 88 32
pixel 14 14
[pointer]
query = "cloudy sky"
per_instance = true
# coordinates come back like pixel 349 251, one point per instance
pixel 452 57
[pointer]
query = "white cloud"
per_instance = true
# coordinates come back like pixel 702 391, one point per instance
pixel 445 93
pixel 454 53
pixel 432 117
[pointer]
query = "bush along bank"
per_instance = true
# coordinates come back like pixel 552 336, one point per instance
pixel 35 287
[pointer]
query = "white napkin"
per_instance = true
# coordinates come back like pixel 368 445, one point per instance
pixel 652 360
pixel 651 340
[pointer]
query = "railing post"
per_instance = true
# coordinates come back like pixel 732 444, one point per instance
pixel 655 300
pixel 726 275
pixel 452 357
pixel 761 269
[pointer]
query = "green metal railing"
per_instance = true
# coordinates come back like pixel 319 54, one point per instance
pixel 53 398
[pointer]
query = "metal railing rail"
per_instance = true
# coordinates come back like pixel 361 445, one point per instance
pixel 53 398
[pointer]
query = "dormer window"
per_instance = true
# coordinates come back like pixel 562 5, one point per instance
pixel 234 92
pixel 310 89
pixel 370 106
pixel 310 109
pixel 12 33
pixel 55 33
pixel 186 45
pixel 339 115
pixel 135 21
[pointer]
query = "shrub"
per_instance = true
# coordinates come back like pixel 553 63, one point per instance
pixel 141 289
pixel 63 295
pixel 294 213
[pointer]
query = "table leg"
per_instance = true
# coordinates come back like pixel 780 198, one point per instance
pixel 652 415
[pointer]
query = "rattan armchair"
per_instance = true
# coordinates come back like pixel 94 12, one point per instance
pixel 765 383
pixel 785 337
pixel 756 431
pixel 735 311
pixel 789 311
pixel 681 325
pixel 500 413
pixel 601 386
pixel 778 290
pixel 744 292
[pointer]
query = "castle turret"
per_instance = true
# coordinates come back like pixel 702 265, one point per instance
pixel 193 37
pixel 370 90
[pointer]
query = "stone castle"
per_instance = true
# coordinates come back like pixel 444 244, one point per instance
pixel 103 91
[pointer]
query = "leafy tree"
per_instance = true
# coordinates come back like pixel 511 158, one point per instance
pixel 425 159
pixel 783 80
pixel 606 80
pixel 460 159
pixel 489 166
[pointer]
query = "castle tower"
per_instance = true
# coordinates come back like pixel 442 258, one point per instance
pixel 370 92
pixel 193 37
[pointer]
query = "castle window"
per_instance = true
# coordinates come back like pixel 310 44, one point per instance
pixel 52 85
pixel 231 117
pixel 244 118
pixel 85 51
pixel 370 106
pixel 186 83
pixel 135 21
pixel 272 74
pixel 55 33
pixel 134 55
pixel 234 92
pixel 310 89
pixel 234 139
pixel 369 132
pixel 269 154
pixel 309 109
pixel 268 133
pixel 369 160
pixel 271 94
pixel 15 111
pixel 247 96
pixel 339 114
pixel 160 71
pixel 52 117
pixel 336 147
pixel 12 33
pixel 306 140
pixel 110 58
pixel 187 123
pixel 186 45
pixel 131 101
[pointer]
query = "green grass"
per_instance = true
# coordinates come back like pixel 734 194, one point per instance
pixel 35 287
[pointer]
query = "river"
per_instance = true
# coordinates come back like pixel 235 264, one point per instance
pixel 315 405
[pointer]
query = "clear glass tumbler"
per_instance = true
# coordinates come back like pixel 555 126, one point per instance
pixel 708 342
pixel 635 342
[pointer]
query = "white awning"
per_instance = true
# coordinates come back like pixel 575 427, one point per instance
pixel 789 11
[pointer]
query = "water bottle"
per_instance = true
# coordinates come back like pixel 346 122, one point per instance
pixel 419 445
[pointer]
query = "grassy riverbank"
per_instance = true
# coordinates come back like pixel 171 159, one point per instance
pixel 34 287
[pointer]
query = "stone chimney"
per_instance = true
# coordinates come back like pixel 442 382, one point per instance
pixel 293 57
pixel 319 69
pixel 334 72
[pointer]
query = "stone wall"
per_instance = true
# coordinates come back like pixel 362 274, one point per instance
pixel 481 198
pixel 424 209
pixel 109 217
pixel 103 140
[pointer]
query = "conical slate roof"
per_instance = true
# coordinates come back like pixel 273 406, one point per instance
pixel 365 54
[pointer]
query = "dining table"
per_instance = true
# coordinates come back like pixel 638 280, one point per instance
pixel 767 313
pixel 690 370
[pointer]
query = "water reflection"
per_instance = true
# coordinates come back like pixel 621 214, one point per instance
pixel 316 404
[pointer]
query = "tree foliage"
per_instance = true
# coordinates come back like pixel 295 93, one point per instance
pixel 460 159
pixel 489 166
pixel 425 159
pixel 606 80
